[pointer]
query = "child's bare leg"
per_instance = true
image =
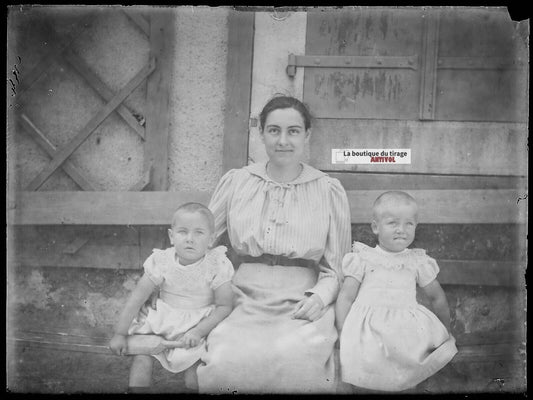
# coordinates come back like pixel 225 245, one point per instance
pixel 191 378
pixel 141 371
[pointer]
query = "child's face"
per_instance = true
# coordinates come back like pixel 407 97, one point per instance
pixel 395 226
pixel 190 236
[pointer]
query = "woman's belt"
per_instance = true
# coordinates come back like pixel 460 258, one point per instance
pixel 273 259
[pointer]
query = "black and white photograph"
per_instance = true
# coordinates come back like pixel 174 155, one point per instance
pixel 266 200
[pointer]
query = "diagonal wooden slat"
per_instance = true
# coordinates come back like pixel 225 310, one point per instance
pixel 57 46
pixel 83 69
pixel 67 166
pixel 139 20
pixel 64 153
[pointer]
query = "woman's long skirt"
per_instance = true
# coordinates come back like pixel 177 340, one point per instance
pixel 260 348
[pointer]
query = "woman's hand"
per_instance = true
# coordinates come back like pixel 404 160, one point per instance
pixel 190 339
pixel 118 344
pixel 310 308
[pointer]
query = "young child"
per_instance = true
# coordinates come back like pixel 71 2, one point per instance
pixel 389 342
pixel 195 295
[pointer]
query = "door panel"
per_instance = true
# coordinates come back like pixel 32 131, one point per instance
pixel 386 93
pixel 443 148
pixel 462 71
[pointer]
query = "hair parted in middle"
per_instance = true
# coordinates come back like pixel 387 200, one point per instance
pixel 281 102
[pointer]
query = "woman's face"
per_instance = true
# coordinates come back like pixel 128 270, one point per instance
pixel 284 136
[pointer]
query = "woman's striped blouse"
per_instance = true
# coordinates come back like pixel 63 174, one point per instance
pixel 308 217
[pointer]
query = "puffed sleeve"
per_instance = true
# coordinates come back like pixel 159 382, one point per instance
pixel 337 244
pixel 352 265
pixel 220 200
pixel 219 266
pixel 153 266
pixel 427 270
pixel 223 273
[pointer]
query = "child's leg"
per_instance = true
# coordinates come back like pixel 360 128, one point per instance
pixel 191 377
pixel 141 371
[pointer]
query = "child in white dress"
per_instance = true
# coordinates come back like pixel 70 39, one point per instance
pixel 194 296
pixel 389 342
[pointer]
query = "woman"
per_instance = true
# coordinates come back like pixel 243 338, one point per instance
pixel 290 226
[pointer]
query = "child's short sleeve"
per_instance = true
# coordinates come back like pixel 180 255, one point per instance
pixel 153 266
pixel 427 270
pixel 352 265
pixel 223 272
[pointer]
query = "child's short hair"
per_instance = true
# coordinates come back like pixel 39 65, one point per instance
pixel 199 208
pixel 392 196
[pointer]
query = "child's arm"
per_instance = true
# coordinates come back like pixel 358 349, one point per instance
pixel 138 296
pixel 223 307
pixel 347 295
pixel 439 304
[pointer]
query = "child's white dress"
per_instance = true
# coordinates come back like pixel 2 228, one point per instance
pixel 390 342
pixel 186 297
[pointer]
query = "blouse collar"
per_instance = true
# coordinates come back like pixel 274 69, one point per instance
pixel 388 253
pixel 308 173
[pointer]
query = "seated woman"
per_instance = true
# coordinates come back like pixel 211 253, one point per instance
pixel 290 226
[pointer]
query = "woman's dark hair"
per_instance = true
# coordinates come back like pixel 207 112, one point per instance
pixel 281 102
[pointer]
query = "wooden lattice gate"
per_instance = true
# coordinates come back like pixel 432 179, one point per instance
pixel 117 96
pixel 88 141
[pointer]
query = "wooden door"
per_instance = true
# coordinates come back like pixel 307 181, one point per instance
pixel 451 85
pixel 448 84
